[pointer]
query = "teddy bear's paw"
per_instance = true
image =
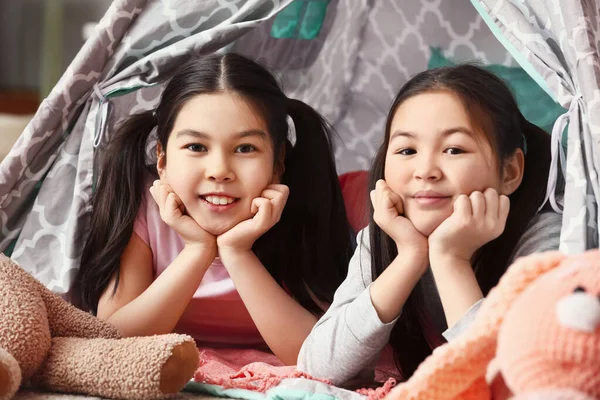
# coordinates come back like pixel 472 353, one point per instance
pixel 10 375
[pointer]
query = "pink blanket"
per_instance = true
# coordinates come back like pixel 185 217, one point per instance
pixel 239 369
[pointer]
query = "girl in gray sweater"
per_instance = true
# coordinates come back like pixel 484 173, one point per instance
pixel 456 189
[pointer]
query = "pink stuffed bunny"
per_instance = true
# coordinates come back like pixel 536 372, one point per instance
pixel 537 335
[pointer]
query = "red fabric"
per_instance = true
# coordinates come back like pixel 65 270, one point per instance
pixel 355 191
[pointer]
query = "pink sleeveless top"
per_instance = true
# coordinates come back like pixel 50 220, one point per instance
pixel 216 315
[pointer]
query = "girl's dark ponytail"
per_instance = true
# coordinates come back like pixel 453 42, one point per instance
pixel 314 234
pixel 117 197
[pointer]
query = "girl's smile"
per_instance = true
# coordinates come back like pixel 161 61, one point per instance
pixel 430 199
pixel 219 202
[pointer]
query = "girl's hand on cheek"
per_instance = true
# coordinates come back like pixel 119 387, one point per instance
pixel 476 220
pixel 389 216
pixel 267 210
pixel 172 212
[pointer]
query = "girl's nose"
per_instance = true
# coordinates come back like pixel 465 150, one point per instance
pixel 218 169
pixel 427 169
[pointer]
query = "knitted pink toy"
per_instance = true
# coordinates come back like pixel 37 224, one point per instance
pixel 539 330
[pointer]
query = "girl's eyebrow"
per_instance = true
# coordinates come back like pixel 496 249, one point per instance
pixel 252 132
pixel 444 133
pixel 201 135
pixel 459 129
pixel 193 133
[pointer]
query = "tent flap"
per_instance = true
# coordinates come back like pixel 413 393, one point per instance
pixel 559 41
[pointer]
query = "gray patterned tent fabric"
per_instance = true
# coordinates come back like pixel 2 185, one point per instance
pixel 352 71
pixel 557 42
pixel 366 50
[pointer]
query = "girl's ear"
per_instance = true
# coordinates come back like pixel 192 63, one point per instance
pixel 512 173
pixel 161 162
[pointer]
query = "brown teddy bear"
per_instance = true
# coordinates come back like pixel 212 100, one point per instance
pixel 55 346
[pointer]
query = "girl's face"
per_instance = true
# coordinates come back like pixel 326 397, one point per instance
pixel 219 158
pixel 435 155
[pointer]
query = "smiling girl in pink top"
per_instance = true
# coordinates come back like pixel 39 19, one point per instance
pixel 242 236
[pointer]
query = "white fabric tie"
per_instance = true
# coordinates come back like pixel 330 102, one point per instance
pixel 103 111
pixel 558 153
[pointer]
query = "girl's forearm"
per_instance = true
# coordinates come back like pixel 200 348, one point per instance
pixel 457 286
pixel 283 323
pixel 158 309
pixel 391 289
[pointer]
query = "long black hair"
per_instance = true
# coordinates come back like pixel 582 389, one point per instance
pixel 493 110
pixel 307 251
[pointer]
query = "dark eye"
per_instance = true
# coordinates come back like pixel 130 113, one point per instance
pixel 245 148
pixel 454 151
pixel 406 152
pixel 195 147
pixel 579 289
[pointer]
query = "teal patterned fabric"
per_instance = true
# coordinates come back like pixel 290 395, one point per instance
pixel 302 19
pixel 535 104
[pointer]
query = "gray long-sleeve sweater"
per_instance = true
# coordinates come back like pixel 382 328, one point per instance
pixel 347 341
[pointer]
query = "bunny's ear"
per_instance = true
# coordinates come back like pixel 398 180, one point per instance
pixel 457 370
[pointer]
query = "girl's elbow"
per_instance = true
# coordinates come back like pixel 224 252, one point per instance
pixel 124 330
pixel 320 363
pixel 105 315
pixel 128 329
pixel 319 370
pixel 306 363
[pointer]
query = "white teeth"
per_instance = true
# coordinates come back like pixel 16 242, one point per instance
pixel 219 200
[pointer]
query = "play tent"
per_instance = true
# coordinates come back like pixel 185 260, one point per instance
pixel 347 58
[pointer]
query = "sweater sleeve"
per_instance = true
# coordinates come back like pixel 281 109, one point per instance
pixel 347 341
pixel 542 234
